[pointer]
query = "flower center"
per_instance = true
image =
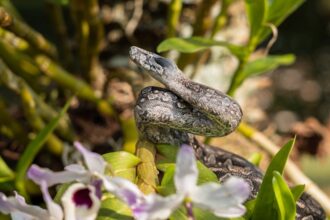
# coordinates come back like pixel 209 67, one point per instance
pixel 81 197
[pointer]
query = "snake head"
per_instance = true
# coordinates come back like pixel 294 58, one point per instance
pixel 160 68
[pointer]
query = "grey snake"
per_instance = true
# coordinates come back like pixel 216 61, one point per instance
pixel 173 114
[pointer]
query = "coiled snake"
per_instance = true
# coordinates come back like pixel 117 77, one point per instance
pixel 184 108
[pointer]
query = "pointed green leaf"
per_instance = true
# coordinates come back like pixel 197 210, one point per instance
pixel 34 147
pixel 278 11
pixel 263 65
pixel 255 158
pixel 122 164
pixel 113 209
pixel 285 201
pixel 297 191
pixel 266 198
pixel 167 187
pixel 5 172
pixel 194 44
pixel 257 13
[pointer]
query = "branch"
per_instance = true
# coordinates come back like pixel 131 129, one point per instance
pixel 294 173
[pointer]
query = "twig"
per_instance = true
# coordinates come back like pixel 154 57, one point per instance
pixel 136 17
pixel 15 83
pixel 173 17
pixel 294 173
pixel 60 30
pixel 201 25
pixel 24 31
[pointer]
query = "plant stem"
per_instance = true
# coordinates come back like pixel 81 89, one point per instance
pixel 147 173
pixel 173 17
pixel 15 83
pixel 201 25
pixel 60 30
pixel 90 31
pixel 24 31
pixel 293 172
pixel 189 208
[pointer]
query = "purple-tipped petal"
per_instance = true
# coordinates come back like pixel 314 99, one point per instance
pixel 38 175
pixel 80 202
pixel 54 209
pixel 224 200
pixel 18 209
pixel 156 207
pixel 94 162
pixel 186 172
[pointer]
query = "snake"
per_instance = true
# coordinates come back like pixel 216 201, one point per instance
pixel 184 108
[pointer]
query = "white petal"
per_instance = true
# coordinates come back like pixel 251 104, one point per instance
pixel 155 207
pixel 38 174
pixel 186 172
pixel 223 200
pixel 17 207
pixel 53 208
pixel 123 189
pixel 94 162
pixel 82 207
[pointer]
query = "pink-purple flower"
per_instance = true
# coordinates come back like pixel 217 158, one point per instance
pixel 82 199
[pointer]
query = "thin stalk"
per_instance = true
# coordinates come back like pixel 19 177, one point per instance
pixel 24 31
pixel 11 123
pixel 54 144
pixel 293 172
pixel 86 16
pixel 202 24
pixel 189 208
pixel 147 173
pixel 173 17
pixel 15 83
pixel 219 23
pixel 60 30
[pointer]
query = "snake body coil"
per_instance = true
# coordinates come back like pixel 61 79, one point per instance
pixel 184 108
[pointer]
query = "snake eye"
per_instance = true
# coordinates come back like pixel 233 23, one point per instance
pixel 163 62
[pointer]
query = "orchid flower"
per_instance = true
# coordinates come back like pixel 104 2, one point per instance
pixel 223 200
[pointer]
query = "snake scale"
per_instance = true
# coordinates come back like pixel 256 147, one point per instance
pixel 173 114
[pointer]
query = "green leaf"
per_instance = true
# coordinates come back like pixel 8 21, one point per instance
pixel 266 198
pixel 168 151
pixel 285 201
pixel 263 65
pixel 255 158
pixel 278 11
pixel 297 191
pixel 6 173
pixel 122 164
pixel 257 13
pixel 113 209
pixel 167 186
pixel 33 149
pixel 194 44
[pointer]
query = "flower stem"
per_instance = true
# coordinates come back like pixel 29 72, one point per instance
pixel 190 213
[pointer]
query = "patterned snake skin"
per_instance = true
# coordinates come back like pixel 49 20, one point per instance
pixel 184 108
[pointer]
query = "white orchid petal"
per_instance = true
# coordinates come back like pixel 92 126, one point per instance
pixel 223 200
pixel 38 175
pixel 156 207
pixel 186 172
pixel 17 207
pixel 94 162
pixel 80 202
pixel 53 208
